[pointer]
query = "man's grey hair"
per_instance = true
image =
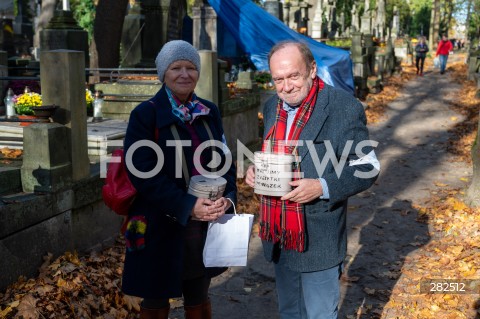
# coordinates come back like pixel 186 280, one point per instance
pixel 301 46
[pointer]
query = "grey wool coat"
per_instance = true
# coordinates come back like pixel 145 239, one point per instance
pixel 337 122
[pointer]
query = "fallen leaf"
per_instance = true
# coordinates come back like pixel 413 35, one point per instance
pixel 132 302
pixel 27 308
pixel 440 184
pixel 369 291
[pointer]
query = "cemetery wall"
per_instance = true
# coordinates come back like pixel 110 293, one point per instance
pixel 33 225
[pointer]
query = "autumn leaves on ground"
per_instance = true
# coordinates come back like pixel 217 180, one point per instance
pixel 73 286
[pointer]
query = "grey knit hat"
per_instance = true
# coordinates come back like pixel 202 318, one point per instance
pixel 174 51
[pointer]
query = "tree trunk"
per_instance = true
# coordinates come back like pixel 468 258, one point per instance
pixel 469 12
pixel 449 7
pixel 473 192
pixel 434 25
pixel 107 32
pixel 94 78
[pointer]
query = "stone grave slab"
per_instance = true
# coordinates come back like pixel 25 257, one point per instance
pixel 98 135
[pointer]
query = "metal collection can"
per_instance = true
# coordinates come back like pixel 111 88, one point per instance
pixel 206 187
pixel 273 172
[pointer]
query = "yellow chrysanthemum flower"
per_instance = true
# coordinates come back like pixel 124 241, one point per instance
pixel 26 101
pixel 29 99
pixel 88 97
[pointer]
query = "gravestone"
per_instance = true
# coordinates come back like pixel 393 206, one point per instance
pixel 204 28
pixel 63 84
pixel 274 7
pixel 131 43
pixel 46 160
pixel 286 13
pixel 163 21
pixel 303 22
pixel 395 23
pixel 210 33
pixel 380 19
pixel 207 88
pixel 63 32
pixel 332 20
pixel 341 24
pixel 246 81
pixel 366 23
pixel 178 9
pixel 355 24
pixel 317 21
pixel 223 91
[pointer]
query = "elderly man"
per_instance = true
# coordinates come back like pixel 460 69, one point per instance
pixel 304 231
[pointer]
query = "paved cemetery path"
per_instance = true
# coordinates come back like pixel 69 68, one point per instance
pixel 381 221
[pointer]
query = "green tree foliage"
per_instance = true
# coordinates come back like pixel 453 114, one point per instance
pixel 473 19
pixel 404 11
pixel 421 11
pixel 24 6
pixel 84 13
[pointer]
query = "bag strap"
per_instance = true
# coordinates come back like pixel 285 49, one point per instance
pixel 209 131
pixel 179 148
pixel 233 204
pixel 174 130
pixel 210 135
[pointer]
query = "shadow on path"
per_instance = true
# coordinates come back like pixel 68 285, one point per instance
pixel 382 224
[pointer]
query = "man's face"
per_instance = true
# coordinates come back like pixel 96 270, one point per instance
pixel 290 74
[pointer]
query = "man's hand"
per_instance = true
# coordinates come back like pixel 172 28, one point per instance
pixel 250 176
pixel 305 191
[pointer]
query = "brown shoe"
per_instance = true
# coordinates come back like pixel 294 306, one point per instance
pixel 161 313
pixel 202 311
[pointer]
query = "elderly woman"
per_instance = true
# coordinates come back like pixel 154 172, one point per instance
pixel 167 226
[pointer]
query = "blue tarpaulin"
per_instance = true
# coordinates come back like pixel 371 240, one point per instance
pixel 257 32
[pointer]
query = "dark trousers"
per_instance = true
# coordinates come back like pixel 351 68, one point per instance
pixel 419 62
pixel 196 280
pixel 195 292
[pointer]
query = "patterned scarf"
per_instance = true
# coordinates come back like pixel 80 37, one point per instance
pixel 282 221
pixel 188 111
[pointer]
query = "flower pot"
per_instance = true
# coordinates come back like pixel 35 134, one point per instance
pixel 44 111
pixel 29 120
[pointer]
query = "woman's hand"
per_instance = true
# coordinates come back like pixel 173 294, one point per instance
pixel 224 204
pixel 208 210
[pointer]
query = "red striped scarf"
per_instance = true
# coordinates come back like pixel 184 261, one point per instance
pixel 283 221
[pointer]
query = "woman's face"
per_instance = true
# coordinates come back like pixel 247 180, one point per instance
pixel 181 77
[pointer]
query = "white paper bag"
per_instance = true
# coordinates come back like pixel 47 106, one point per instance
pixel 436 62
pixel 227 241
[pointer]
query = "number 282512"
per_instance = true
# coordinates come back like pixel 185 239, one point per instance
pixel 450 286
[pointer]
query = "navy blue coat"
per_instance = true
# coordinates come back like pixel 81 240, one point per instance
pixel 156 270
pixel 337 119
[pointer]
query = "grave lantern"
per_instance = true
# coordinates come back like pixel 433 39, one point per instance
pixel 97 107
pixel 9 104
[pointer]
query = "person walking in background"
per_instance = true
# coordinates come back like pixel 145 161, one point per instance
pixel 421 50
pixel 443 50
pixel 167 226
pixel 304 232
